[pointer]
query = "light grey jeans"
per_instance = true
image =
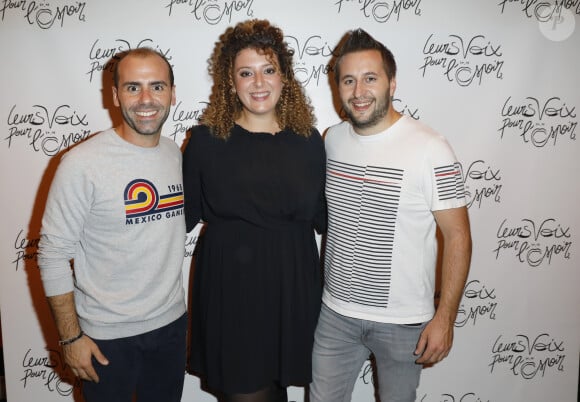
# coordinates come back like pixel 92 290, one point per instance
pixel 341 346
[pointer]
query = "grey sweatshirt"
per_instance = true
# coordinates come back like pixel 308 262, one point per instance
pixel 116 209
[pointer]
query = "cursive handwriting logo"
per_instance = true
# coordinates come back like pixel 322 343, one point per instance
pixel 311 59
pixel 482 183
pixel 47 130
pixel 465 61
pixel 557 18
pixel 45 369
pixel 534 243
pixel 478 302
pixel 410 111
pixel 184 119
pixel 26 249
pixel 382 11
pixel 539 122
pixel 447 397
pixel 526 356
pixel 104 57
pixel 42 14
pixel 213 12
pixel 543 11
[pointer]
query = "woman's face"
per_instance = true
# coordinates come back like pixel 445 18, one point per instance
pixel 258 82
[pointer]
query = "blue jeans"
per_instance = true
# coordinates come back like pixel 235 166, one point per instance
pixel 341 346
pixel 151 365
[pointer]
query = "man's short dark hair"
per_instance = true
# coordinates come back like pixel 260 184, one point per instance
pixel 358 40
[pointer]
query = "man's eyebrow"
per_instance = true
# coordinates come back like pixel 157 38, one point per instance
pixel 139 83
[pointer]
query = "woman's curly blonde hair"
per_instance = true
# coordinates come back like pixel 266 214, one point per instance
pixel 293 110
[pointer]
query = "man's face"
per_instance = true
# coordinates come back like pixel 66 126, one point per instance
pixel 144 94
pixel 365 90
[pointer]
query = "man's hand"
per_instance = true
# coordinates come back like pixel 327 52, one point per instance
pixel 435 342
pixel 78 355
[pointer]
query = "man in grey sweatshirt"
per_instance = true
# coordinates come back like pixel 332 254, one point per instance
pixel 115 208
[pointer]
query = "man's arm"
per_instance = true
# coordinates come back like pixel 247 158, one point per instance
pixel 64 218
pixel 78 353
pixel 437 337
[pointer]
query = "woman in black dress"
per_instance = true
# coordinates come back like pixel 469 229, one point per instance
pixel 254 174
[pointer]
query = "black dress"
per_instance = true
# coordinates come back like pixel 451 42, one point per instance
pixel 256 285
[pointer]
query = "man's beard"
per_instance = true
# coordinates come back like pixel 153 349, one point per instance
pixel 381 110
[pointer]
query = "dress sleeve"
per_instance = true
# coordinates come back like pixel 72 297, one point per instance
pixel 192 180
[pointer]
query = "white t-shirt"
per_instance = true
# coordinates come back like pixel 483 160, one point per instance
pixel 381 248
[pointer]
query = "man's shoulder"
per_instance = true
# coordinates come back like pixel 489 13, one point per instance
pixel 88 148
pixel 421 133
pixel 337 130
pixel 168 142
pixel 415 126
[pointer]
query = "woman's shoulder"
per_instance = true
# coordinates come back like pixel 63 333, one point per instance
pixel 198 138
pixel 314 135
pixel 201 130
pixel 202 134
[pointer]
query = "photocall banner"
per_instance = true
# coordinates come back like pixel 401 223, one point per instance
pixel 500 79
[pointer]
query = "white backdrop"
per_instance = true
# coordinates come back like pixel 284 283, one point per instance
pixel 499 79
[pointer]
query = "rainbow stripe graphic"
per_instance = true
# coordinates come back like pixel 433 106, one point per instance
pixel 142 198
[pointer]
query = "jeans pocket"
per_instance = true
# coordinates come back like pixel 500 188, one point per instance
pixel 414 325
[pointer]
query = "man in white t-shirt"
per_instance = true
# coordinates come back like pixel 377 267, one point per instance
pixel 391 181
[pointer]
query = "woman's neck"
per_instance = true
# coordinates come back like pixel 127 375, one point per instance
pixel 259 124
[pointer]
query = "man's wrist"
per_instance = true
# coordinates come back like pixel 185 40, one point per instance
pixel 71 340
